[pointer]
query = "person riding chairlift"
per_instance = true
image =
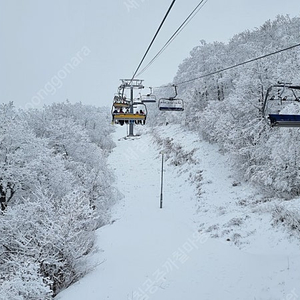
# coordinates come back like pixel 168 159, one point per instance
pixel 142 113
pixel 121 122
pixel 137 121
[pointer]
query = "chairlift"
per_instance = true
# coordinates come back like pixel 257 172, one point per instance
pixel 149 98
pixel 172 103
pixel 123 103
pixel 121 116
pixel 278 105
pixel 120 100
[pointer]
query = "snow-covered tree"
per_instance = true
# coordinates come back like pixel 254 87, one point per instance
pixel 226 107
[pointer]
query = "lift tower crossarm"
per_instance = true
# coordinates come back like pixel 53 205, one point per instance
pixel 135 83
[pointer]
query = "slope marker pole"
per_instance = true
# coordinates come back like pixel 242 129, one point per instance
pixel 161 179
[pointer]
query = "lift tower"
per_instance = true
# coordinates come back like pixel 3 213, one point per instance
pixel 131 84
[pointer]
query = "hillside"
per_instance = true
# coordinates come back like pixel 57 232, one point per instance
pixel 226 108
pixel 203 244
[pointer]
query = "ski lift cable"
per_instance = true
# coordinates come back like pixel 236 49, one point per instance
pixel 153 39
pixel 175 34
pixel 234 66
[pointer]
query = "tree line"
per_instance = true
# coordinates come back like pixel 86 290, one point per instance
pixel 226 108
pixel 55 191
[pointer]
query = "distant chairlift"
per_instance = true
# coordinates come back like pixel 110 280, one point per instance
pixel 278 98
pixel 172 103
pixel 120 101
pixel 149 98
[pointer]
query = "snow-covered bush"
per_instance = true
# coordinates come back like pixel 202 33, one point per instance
pixel 53 233
pixel 289 218
pixel 174 152
pixel 23 281
pixel 81 135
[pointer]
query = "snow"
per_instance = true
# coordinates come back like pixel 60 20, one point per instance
pixel 205 243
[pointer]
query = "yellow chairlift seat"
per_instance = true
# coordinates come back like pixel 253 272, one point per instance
pixel 128 116
pixel 121 104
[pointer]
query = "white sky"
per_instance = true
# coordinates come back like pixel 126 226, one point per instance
pixel 79 49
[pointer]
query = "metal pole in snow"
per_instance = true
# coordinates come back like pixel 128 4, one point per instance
pixel 162 179
pixel 131 111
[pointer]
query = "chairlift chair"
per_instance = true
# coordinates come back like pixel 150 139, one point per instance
pixel 168 104
pixel 138 115
pixel 149 98
pixel 278 97
pixel 121 101
pixel 172 103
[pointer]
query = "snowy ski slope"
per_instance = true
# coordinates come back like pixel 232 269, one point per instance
pixel 204 244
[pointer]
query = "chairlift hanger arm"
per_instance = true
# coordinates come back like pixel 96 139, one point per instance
pixel 278 85
pixel 129 83
pixel 175 87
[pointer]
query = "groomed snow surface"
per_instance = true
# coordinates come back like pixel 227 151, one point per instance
pixel 212 240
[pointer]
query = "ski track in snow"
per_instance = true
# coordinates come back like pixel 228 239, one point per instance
pixel 198 247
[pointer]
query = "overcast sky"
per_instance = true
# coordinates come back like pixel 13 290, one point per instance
pixel 79 49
